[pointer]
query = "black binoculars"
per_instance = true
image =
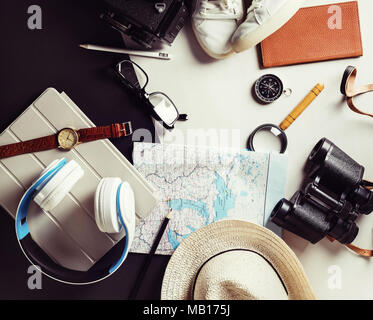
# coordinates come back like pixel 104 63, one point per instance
pixel 333 195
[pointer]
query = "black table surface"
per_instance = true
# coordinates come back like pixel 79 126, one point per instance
pixel 30 62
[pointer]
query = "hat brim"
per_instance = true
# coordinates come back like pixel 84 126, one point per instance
pixel 229 235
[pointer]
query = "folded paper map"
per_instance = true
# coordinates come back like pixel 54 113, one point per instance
pixel 203 185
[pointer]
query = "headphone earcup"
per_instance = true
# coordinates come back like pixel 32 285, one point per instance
pixel 51 166
pixel 53 192
pixel 127 209
pixel 106 214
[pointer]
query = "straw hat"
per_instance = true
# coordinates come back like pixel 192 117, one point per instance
pixel 234 259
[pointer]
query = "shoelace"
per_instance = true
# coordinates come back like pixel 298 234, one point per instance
pixel 227 7
pixel 257 4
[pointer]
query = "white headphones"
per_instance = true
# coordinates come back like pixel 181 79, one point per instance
pixel 114 206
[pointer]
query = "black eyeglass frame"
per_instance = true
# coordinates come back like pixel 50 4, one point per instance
pixel 143 96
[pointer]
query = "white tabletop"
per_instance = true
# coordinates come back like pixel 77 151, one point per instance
pixel 217 97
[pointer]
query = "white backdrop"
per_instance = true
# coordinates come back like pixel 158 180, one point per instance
pixel 217 95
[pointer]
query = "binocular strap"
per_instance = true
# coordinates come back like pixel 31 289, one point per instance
pixel 360 251
pixel 368 184
pixel 348 89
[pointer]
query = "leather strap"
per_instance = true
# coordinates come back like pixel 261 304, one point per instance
pixel 30 146
pixel 116 130
pixel 360 251
pixel 348 89
pixel 368 184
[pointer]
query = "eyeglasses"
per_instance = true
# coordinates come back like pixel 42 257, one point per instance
pixel 158 104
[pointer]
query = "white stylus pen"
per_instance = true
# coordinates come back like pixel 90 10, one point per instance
pixel 148 54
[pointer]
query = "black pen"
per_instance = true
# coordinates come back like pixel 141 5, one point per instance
pixel 149 258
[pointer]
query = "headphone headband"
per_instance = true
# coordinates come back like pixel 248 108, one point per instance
pixel 102 269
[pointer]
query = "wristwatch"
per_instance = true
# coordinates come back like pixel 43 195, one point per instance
pixel 66 139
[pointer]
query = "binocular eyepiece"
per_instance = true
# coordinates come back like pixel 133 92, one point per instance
pixel 333 195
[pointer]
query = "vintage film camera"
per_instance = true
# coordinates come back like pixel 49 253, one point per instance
pixel 147 21
pixel 333 196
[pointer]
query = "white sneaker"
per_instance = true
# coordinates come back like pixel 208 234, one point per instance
pixel 264 17
pixel 214 22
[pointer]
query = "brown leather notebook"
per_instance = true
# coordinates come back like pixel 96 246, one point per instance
pixel 315 34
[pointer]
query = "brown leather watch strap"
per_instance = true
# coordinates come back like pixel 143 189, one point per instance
pixel 115 130
pixel 360 251
pixel 30 146
pixel 349 90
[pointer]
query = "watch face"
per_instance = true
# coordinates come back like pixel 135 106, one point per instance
pixel 268 88
pixel 67 138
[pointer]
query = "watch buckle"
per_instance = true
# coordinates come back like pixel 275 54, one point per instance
pixel 127 128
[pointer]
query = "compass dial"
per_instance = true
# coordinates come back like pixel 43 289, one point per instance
pixel 268 88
